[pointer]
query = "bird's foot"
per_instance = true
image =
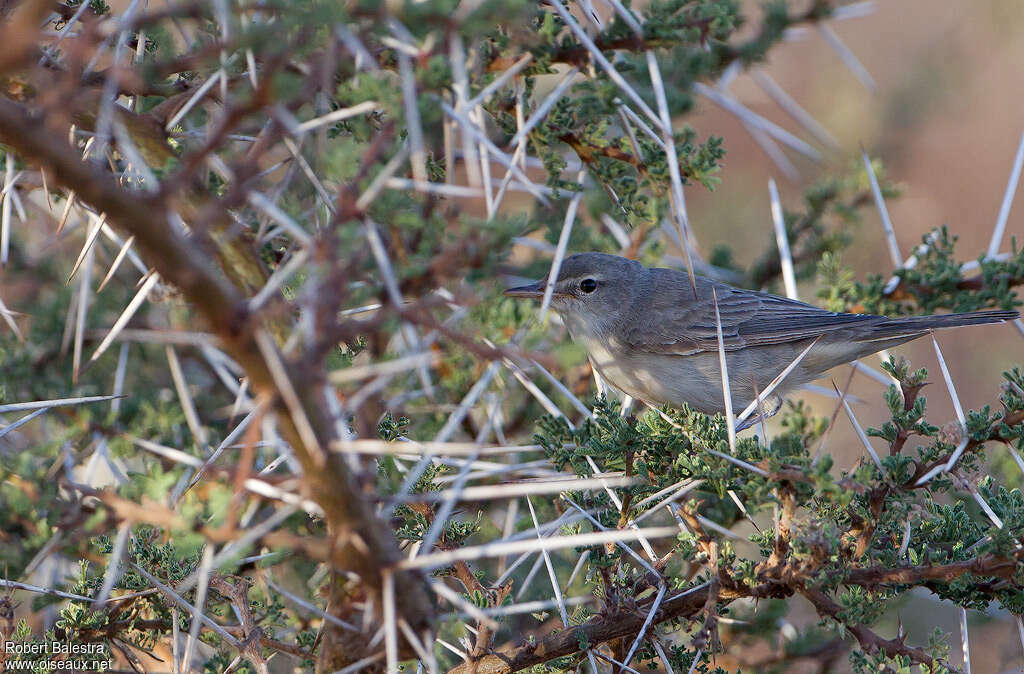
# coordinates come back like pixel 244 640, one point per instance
pixel 769 407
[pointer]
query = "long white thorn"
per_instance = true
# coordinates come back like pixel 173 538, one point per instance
pixel 958 452
pixel 883 212
pixel 985 507
pixel 126 315
pixel 118 259
pixel 782 241
pixel 312 608
pixel 763 395
pixel 605 64
pixel 468 126
pixel 460 87
pixel 678 200
pixel 46 404
pixel 563 243
pixel 90 239
pixel 514 547
pixel 726 391
pixel 22 421
pixel 84 292
pixel 205 567
pixel 616 230
pixel 520 489
pixel 185 397
pixel 535 391
pixel 792 108
pixel 1004 208
pixel 739 462
pixel 114 567
pixel 966 641
pixel 336 116
pixel 14 585
pixel 773 151
pixel 5 209
pixel 453 597
pixel 194 611
pixel 551 569
pixel 627 16
pixel 380 180
pixel 389 618
pixel 412 117
pixel 272 211
pixel 66 213
pixel 283 382
pixel 195 98
pixel 500 81
pixel 8 317
pixel 949 384
pixel 730 104
pixel 545 107
pixel 847 56
pixel 860 432
pixel 280 276
pixel 647 623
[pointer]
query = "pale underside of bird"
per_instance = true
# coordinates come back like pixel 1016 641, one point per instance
pixel 654 336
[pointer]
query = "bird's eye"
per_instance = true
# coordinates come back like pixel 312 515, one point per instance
pixel 588 285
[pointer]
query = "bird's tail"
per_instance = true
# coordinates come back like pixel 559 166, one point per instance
pixel 915 326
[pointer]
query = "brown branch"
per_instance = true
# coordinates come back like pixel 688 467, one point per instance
pixel 362 542
pixel 972 444
pixel 597 630
pixel 876 500
pixel 707 633
pixel 987 565
pixel 589 153
pixel 578 54
pixel 238 594
pixel 610 626
pixel 972 283
pixel 787 509
pixel 870 642
pixel 112 629
pixel 495 597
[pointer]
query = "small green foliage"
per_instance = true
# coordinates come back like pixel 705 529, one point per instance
pixel 391 429
pixel 935 283
pixel 97 7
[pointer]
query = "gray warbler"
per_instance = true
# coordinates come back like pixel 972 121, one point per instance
pixel 651 336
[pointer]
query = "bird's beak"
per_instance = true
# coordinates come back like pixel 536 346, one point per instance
pixel 533 290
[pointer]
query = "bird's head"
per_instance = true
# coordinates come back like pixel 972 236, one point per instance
pixel 592 293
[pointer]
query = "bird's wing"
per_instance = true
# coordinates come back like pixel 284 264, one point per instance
pixel 672 321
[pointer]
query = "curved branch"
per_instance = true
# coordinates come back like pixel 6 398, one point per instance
pixel 358 537
pixel 595 631
pixel 603 628
pixel 868 640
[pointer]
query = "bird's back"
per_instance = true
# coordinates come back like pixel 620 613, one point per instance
pixel 668 350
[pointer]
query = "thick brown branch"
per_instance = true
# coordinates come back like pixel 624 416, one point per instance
pixel 598 629
pixel 360 540
pixel 252 635
pixel 868 640
pixel 985 566
pixel 588 153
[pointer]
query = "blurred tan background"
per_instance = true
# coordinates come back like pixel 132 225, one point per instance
pixel 945 120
